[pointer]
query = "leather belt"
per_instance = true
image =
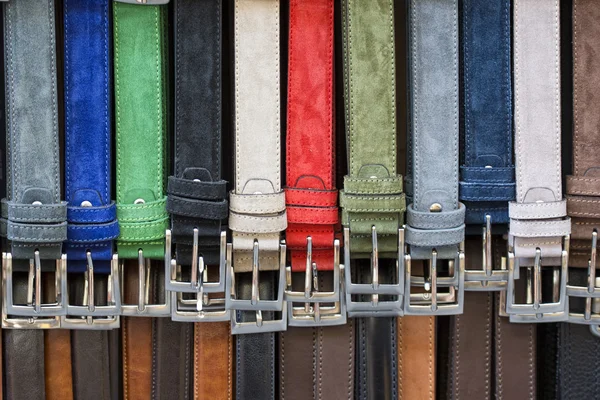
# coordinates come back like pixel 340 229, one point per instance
pixel 197 202
pixel 140 52
pixel 256 259
pixel 435 219
pixel 539 231
pixel 578 348
pixel 197 196
pixel 309 359
pixel 372 200
pixel 33 215
pixel 91 215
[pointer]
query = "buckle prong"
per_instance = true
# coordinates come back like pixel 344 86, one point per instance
pixel 487 247
pixel 433 277
pixel 89 278
pixel 38 280
pixel 374 266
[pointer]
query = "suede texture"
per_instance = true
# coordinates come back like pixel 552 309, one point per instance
pixel 33 162
pixel 141 104
pixel 197 197
pixel 88 131
pixel 487 172
pixel 370 109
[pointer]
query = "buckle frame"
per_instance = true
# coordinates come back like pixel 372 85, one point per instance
pixel 234 304
pixel 313 313
pixel 392 308
pixel 591 292
pixel 143 308
pixel 429 303
pixel 537 311
pixel 197 282
pixel 35 308
pixel 488 278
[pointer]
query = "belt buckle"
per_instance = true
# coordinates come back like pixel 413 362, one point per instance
pixel 374 307
pixel 143 308
pixel 313 312
pixel 535 310
pixel 591 292
pixel 89 315
pixel 255 303
pixel 488 278
pixel 203 308
pixel 428 303
pixel 198 281
pixel 34 314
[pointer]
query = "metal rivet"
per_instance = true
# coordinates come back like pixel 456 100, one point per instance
pixel 139 201
pixel 488 166
pixel 435 207
pixel 86 204
pixel 197 180
pixel 37 203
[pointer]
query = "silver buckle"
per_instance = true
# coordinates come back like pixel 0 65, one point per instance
pixel 255 303
pixel 591 292
pixel 203 308
pixel 488 278
pixel 375 307
pixel 34 307
pixel 535 310
pixel 198 281
pixel 430 302
pixel 89 315
pixel 143 308
pixel 313 312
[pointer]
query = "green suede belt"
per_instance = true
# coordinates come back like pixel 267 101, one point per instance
pixel 372 194
pixel 140 58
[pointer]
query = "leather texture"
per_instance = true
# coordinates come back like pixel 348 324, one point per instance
pixel 434 120
pixel 136 344
pixel 33 167
pixel 197 195
pixel 58 373
pixel 255 353
pixel 372 194
pixel 257 136
pixel 311 196
pixel 213 361
pixel 417 362
pixel 583 191
pixel 140 70
pixel 486 356
pixel 536 64
pixel 23 360
pixel 88 131
pixel 487 169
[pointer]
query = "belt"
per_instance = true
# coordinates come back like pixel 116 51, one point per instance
pixel 140 64
pixel 197 199
pixel 487 184
pixel 372 200
pixel 577 347
pixel 33 215
pixel 539 231
pixel 91 215
pixel 311 349
pixel 257 204
pixel 435 219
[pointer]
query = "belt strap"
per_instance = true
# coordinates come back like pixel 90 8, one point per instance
pixel 197 197
pixel 435 219
pixel 538 229
pixel 372 200
pixel 582 186
pixel 213 361
pixel 140 53
pixel 577 348
pixel 257 209
pixel 487 171
pixel 33 175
